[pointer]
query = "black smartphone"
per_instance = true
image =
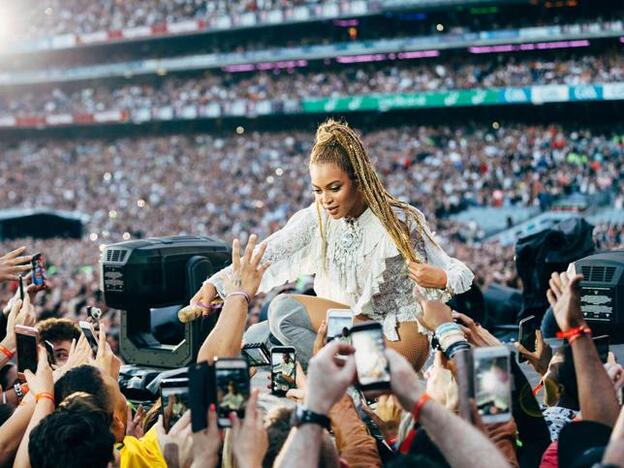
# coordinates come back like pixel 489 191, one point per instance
pixel 201 394
pixel 602 345
pixel 21 287
pixel 283 370
pixel 526 334
pixel 231 388
pixel 370 360
pixel 174 395
pixel 89 333
pixel 464 374
pixel 50 350
pixel 257 354
pixel 38 270
pixel 27 339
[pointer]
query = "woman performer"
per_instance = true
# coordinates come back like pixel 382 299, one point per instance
pixel 365 247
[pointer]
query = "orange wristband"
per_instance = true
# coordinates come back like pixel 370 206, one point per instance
pixel 573 333
pixel 46 396
pixel 419 406
pixel 7 352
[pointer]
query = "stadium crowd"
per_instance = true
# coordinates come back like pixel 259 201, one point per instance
pixel 226 88
pixel 73 413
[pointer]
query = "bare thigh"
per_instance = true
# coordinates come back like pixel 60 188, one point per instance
pixel 412 344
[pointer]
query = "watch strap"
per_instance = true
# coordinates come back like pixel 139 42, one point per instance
pixel 303 416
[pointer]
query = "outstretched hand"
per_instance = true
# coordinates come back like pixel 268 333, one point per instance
pixel 13 264
pixel 247 271
pixel 540 358
pixel 565 299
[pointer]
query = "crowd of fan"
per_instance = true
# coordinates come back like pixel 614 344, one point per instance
pixel 55 17
pixel 230 186
pixel 73 412
pixel 223 88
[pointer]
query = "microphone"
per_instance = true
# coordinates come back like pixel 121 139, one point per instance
pixel 190 312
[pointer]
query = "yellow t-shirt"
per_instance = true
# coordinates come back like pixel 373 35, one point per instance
pixel 142 453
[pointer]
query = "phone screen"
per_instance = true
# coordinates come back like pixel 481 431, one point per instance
pixel 370 360
pixel 175 400
pixel 26 352
pixel 493 387
pixel 89 334
pixel 336 325
pixel 283 372
pixel 232 381
pixel 50 350
pixel 38 270
pixel 526 335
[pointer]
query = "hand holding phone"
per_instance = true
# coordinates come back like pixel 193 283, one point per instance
pixel 283 370
pixel 526 335
pixel 231 388
pixel 370 359
pixel 27 339
pixel 492 383
pixel 89 333
pixel 174 394
pixel 339 323
pixel 38 271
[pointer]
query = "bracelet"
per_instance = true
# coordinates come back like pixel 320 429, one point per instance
pixel 240 293
pixel 455 347
pixel 447 327
pixel 448 340
pixel 45 395
pixel 7 352
pixel 20 390
pixel 424 398
pixel 573 333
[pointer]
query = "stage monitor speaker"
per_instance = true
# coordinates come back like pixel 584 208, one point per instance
pixel 602 292
pixel 152 278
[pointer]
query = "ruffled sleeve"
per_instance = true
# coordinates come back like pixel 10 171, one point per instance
pixel 292 252
pixel 459 277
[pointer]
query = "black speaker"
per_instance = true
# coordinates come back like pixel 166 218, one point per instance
pixel 155 277
pixel 602 292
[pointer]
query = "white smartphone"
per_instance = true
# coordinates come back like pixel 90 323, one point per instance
pixel 339 323
pixel 492 383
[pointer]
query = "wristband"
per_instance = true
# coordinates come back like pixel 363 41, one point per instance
pixel 240 293
pixel 573 333
pixel 46 396
pixel 7 352
pixel 457 346
pixel 20 390
pixel 424 398
pixel 447 327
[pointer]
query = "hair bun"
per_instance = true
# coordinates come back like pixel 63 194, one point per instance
pixel 326 132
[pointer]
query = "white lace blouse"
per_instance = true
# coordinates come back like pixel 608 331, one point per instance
pixel 363 269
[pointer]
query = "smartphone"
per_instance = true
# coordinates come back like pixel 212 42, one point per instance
pixel 201 395
pixel 464 368
pixel 21 287
pixel 339 322
pixel 370 360
pixel 174 394
pixel 89 333
pixel 257 354
pixel 27 339
pixel 283 370
pixel 50 350
pixel 526 334
pixel 492 383
pixel 602 345
pixel 231 388
pixel 38 270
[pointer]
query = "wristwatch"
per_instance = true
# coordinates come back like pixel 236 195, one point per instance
pixel 302 415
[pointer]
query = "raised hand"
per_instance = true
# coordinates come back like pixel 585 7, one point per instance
pixel 565 299
pixel 246 273
pixel 540 358
pixel 13 264
pixel 250 440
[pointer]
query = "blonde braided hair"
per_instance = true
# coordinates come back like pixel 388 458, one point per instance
pixel 337 143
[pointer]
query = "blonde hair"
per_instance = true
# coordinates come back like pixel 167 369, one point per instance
pixel 337 143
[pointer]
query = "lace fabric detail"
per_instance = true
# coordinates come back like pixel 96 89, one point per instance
pixel 364 269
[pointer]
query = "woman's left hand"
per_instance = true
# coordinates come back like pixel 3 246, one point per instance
pixel 427 276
